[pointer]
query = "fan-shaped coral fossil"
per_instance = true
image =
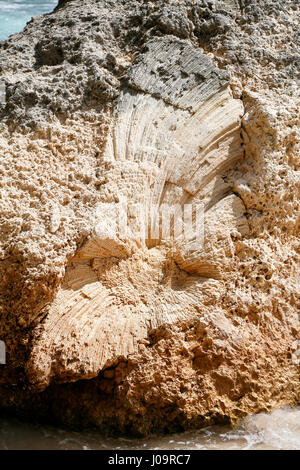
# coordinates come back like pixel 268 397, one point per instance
pixel 175 130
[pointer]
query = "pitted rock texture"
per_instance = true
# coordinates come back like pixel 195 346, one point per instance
pixel 155 103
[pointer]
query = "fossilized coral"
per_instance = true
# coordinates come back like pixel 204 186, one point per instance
pixel 175 130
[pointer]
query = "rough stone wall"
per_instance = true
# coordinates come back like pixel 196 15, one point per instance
pixel 177 102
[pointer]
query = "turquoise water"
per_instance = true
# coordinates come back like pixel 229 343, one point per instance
pixel 14 14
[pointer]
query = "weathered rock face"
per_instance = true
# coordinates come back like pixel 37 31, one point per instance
pixel 172 103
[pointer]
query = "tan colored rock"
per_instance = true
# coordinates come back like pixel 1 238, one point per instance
pixel 132 332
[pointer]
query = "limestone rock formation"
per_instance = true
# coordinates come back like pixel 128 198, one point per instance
pixel 168 104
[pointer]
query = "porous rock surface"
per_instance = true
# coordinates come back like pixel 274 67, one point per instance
pixel 155 103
